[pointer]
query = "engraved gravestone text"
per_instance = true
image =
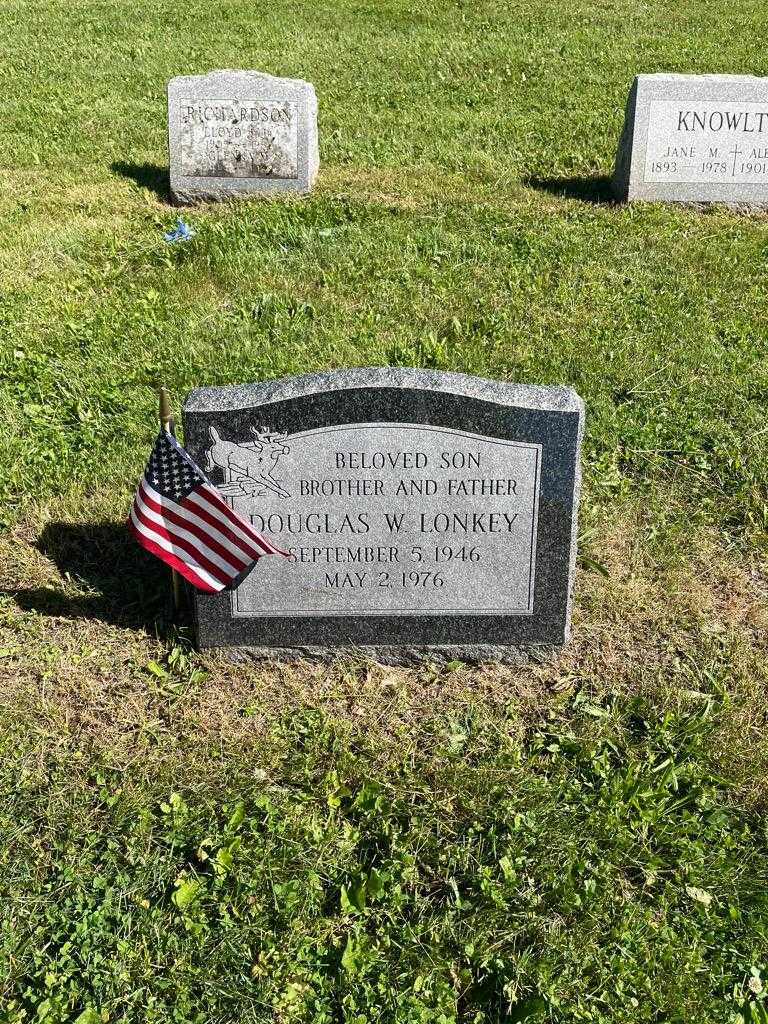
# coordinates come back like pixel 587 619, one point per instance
pixel 227 138
pixel 707 141
pixel 383 518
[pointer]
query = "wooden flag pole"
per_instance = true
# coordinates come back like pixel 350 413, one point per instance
pixel 165 416
pixel 166 413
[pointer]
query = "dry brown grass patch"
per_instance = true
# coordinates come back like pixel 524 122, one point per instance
pixel 646 628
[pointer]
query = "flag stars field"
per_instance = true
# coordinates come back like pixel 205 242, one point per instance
pixel 184 521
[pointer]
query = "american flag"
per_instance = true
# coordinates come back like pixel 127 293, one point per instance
pixel 179 516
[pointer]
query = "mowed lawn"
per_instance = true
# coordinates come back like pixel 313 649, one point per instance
pixel 187 840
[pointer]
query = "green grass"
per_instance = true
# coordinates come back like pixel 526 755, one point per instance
pixel 186 840
pixel 588 867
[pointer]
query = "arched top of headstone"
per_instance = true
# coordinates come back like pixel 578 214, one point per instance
pixel 525 396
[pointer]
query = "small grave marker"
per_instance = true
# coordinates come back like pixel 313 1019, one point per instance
pixel 240 133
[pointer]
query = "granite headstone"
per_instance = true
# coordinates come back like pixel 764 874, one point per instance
pixel 427 514
pixel 240 133
pixel 695 139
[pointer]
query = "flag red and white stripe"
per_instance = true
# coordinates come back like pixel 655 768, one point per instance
pixel 179 516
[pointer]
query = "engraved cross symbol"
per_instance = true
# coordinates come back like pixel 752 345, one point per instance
pixel 735 152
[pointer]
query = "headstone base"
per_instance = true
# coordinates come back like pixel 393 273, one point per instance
pixel 441 654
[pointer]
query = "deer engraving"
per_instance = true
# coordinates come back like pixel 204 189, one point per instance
pixel 247 466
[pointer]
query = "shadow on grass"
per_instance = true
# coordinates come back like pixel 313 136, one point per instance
pixel 151 176
pixel 593 189
pixel 127 587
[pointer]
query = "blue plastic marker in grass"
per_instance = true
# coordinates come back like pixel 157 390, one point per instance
pixel 182 232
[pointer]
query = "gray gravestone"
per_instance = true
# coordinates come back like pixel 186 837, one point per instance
pixel 695 139
pixel 426 513
pixel 240 133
